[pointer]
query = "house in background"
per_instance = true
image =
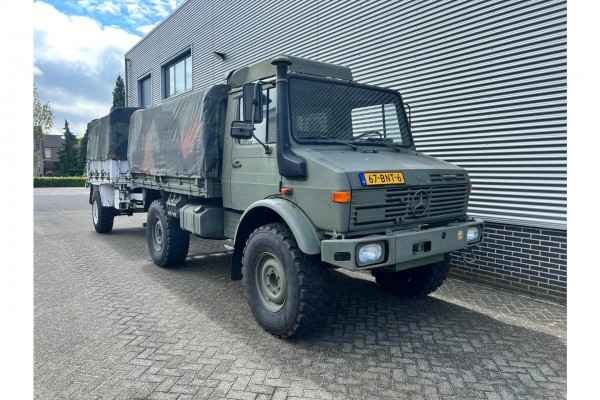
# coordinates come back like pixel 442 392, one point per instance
pixel 51 145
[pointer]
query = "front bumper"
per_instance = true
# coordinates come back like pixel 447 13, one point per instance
pixel 402 247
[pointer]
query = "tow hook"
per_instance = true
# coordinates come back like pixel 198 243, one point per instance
pixel 468 256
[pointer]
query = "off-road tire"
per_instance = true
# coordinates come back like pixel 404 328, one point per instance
pixel 102 217
pixel 306 295
pixel 414 282
pixel 168 244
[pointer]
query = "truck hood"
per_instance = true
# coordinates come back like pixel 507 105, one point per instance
pixel 418 168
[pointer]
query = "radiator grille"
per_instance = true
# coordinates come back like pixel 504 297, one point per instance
pixel 383 208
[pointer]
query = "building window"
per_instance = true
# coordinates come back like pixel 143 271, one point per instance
pixel 145 92
pixel 47 153
pixel 178 76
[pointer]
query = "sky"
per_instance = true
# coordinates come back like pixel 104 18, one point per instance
pixel 78 51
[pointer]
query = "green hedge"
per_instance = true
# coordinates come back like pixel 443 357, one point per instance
pixel 49 181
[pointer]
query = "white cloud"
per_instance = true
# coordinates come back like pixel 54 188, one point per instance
pixel 162 8
pixel 81 110
pixel 148 9
pixel 78 41
pixel 108 7
pixel 145 28
pixel 77 59
pixel 76 62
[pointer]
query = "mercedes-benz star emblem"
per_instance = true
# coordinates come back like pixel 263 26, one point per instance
pixel 419 205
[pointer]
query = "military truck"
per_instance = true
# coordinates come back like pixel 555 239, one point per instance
pixel 301 169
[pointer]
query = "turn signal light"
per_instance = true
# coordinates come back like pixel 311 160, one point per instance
pixel 470 187
pixel 286 190
pixel 341 197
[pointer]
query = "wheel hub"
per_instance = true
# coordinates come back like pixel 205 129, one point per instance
pixel 271 283
pixel 158 234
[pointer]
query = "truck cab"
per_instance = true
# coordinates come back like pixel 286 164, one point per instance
pixel 350 168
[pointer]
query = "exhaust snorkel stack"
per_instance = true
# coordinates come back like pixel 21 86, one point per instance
pixel 290 165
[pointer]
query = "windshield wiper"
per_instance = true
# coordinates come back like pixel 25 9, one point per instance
pixel 337 141
pixel 384 142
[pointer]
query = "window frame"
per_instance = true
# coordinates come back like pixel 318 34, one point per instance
pixel 182 57
pixel 400 110
pixel 142 79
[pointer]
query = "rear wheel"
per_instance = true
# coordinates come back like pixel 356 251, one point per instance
pixel 286 289
pixel 167 242
pixel 103 217
pixel 414 282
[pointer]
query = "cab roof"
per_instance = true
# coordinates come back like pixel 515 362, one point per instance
pixel 264 69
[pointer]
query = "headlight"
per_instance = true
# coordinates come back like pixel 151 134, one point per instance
pixel 370 253
pixel 472 234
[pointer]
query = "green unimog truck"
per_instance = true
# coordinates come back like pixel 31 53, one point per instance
pixel 302 169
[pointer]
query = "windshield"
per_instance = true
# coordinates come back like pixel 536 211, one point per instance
pixel 327 112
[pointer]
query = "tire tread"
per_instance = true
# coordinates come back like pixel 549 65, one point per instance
pixel 414 283
pixel 177 240
pixel 106 216
pixel 312 279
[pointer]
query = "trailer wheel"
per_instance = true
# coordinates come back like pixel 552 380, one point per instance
pixel 103 217
pixel 167 242
pixel 287 290
pixel 414 282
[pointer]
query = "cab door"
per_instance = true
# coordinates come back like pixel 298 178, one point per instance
pixel 254 174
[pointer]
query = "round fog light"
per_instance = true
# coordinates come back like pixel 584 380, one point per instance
pixel 472 234
pixel 370 253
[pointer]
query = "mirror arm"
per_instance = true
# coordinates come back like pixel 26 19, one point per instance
pixel 268 150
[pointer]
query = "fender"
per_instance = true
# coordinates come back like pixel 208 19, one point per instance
pixel 305 232
pixel 272 210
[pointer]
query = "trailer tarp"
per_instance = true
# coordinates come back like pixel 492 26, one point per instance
pixel 179 137
pixel 108 136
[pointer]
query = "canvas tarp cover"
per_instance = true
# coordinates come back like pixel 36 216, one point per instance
pixel 179 137
pixel 108 136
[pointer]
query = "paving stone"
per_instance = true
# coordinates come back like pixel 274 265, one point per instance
pixel 108 323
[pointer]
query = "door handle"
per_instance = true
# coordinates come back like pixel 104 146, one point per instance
pixel 236 164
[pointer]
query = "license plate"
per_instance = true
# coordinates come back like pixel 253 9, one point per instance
pixel 381 178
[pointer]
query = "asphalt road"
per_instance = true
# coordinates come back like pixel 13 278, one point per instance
pixel 110 324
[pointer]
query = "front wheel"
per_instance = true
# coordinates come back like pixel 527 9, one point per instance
pixel 167 242
pixel 102 217
pixel 287 290
pixel 414 282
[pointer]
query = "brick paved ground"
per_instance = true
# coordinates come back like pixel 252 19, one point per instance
pixel 109 324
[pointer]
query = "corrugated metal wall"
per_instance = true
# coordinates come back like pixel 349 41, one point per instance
pixel 486 80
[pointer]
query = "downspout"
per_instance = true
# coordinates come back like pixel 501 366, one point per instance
pixel 290 165
pixel 127 62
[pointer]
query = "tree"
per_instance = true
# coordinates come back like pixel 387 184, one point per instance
pixel 118 94
pixel 67 156
pixel 43 119
pixel 82 153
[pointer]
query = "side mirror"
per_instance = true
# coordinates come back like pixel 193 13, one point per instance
pixel 241 130
pixel 253 100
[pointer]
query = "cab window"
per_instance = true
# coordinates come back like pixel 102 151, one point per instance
pixel 266 130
